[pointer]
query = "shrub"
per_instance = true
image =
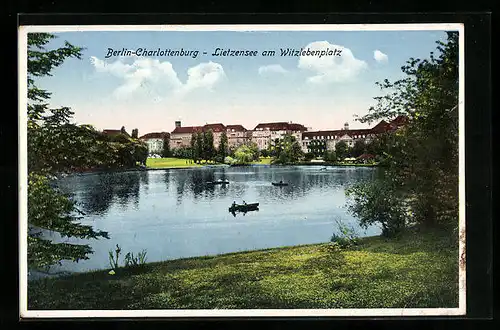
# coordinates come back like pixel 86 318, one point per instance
pixel 377 202
pixel 345 237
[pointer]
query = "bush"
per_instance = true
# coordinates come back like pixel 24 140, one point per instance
pixel 377 202
pixel 345 238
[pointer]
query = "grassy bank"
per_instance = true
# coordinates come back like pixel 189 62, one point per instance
pixel 169 163
pixel 414 271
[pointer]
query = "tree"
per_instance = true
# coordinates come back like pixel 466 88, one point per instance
pixel 135 133
pixel 223 147
pixel 208 145
pixel 422 157
pixel 359 148
pixel 48 208
pixel 166 146
pixel 286 150
pixel 341 150
pixel 198 149
pixel 245 154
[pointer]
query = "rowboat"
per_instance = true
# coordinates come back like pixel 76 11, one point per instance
pixel 281 184
pixel 244 207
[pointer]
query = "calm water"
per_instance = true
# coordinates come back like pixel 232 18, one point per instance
pixel 174 214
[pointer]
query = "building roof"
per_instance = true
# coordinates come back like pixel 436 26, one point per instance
pixel 186 129
pixel 215 127
pixel 113 132
pixel 236 128
pixel 155 135
pixel 281 126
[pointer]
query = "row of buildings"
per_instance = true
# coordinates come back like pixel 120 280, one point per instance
pixel 264 133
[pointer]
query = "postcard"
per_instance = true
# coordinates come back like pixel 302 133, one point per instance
pixel 242 170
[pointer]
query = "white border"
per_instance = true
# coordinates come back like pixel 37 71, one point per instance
pixel 23 178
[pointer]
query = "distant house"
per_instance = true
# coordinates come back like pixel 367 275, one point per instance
pixel 237 135
pixel 349 136
pixel 181 136
pixel 111 132
pixel 365 158
pixel 154 141
pixel 264 133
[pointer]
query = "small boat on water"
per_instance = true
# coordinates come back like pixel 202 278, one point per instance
pixel 244 207
pixel 218 182
pixel 280 184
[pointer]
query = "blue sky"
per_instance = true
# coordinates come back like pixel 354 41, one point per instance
pixel 150 93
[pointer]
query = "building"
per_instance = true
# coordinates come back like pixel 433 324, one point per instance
pixel 237 135
pixel 327 140
pixel 114 132
pixel 154 141
pixel 181 136
pixel 264 133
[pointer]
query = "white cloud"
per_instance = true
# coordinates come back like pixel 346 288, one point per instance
pixel 270 69
pixel 330 68
pixel 152 75
pixel 379 56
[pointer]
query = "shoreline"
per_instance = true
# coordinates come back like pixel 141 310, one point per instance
pixel 136 169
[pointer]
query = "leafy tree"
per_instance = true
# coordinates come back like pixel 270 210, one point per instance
pixel 135 133
pixel 48 209
pixel 330 156
pixel 223 147
pixel 342 150
pixel 198 149
pixel 422 157
pixel 208 145
pixel 245 154
pixel 166 147
pixel 287 150
pixel 358 148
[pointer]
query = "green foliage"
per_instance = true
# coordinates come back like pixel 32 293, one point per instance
pixel 345 236
pixel 223 149
pixel 208 150
pixel 182 152
pixel 377 202
pixel 421 159
pixel 342 150
pixel 286 150
pixel 308 156
pixel 358 148
pixel 166 152
pixel 246 153
pixel 135 261
pixel 114 258
pixel 48 209
pixel 330 156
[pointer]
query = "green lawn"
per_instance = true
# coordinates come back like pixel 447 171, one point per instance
pixel 414 271
pixel 263 161
pixel 169 162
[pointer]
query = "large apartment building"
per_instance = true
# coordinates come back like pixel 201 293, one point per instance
pixel 329 138
pixel 264 133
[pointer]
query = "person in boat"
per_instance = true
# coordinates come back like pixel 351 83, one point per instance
pixel 281 181
pixel 234 204
pixel 244 203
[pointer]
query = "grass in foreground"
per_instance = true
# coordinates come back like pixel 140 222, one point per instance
pixel 169 162
pixel 409 272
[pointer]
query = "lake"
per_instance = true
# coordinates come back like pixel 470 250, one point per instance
pixel 175 214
